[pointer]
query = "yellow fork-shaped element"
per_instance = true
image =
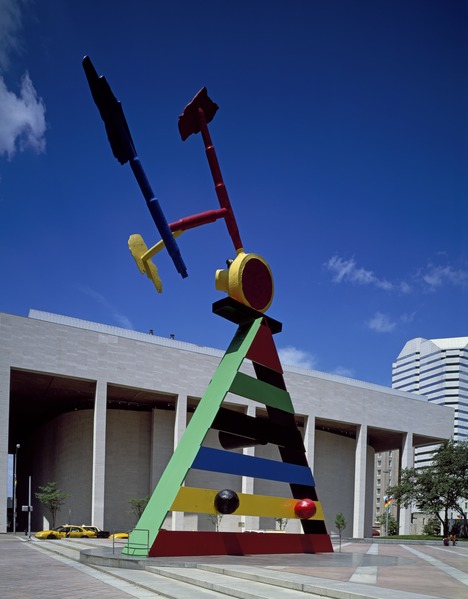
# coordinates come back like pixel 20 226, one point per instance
pixel 142 256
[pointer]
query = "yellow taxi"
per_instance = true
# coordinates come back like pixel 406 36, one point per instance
pixel 65 532
pixel 100 534
pixel 119 535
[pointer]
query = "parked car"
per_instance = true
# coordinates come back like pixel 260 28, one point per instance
pixel 62 532
pixel 119 535
pixel 100 534
pixel 375 532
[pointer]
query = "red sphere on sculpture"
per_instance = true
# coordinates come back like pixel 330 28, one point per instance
pixel 305 509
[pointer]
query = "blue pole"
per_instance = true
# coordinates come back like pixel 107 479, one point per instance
pixel 158 216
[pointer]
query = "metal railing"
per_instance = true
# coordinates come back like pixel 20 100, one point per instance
pixel 132 547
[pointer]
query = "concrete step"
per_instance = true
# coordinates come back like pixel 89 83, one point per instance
pixel 229 584
pixel 165 586
pixel 282 579
pixel 154 585
pixel 70 548
pixel 306 585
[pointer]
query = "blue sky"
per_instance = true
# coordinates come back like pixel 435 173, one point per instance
pixel 341 135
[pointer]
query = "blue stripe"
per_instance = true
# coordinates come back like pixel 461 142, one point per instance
pixel 227 462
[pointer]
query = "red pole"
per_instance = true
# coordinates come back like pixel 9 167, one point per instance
pixel 220 188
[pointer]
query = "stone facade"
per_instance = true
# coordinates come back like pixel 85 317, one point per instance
pixel 100 409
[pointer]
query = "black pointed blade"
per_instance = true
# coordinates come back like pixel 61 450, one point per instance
pixel 111 113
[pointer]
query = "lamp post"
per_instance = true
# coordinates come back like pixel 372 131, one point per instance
pixel 29 510
pixel 14 487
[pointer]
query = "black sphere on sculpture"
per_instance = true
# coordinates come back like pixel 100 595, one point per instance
pixel 226 501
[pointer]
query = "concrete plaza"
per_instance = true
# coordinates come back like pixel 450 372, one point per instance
pixel 374 570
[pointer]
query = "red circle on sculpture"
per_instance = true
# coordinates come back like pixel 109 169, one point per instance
pixel 257 284
pixel 305 509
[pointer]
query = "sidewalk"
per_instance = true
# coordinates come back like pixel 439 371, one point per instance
pixel 26 573
pixel 28 569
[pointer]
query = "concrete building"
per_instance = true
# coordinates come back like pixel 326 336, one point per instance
pixel 386 474
pixel 99 410
pixel 438 370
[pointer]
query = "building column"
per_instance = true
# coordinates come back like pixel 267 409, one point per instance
pixel 4 420
pixel 99 455
pixel 406 461
pixel 249 522
pixel 360 469
pixel 180 425
pixel 180 419
pixel 309 440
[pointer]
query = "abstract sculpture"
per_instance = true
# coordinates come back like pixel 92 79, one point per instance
pixel 248 283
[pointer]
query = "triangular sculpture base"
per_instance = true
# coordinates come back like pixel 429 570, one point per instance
pixel 171 543
pixel 253 341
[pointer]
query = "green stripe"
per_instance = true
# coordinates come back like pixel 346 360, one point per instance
pixel 252 388
pixel 173 476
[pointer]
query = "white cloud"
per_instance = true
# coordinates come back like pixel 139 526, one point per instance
pixel 10 27
pixel 343 371
pixel 22 115
pixel 348 271
pixel 407 318
pixel 438 276
pixel 381 323
pixel 293 356
pixel 22 119
pixel 404 287
pixel 433 277
pixel 119 318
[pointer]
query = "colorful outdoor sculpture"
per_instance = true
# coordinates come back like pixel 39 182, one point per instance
pixel 248 283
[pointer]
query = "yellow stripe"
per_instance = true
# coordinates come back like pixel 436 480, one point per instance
pixel 201 501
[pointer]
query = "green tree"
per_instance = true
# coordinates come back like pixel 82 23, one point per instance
pixel 437 488
pixel 52 498
pixel 216 520
pixel 432 527
pixel 282 523
pixel 389 523
pixel 137 506
pixel 340 524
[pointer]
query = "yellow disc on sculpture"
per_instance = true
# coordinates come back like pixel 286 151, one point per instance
pixel 248 280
